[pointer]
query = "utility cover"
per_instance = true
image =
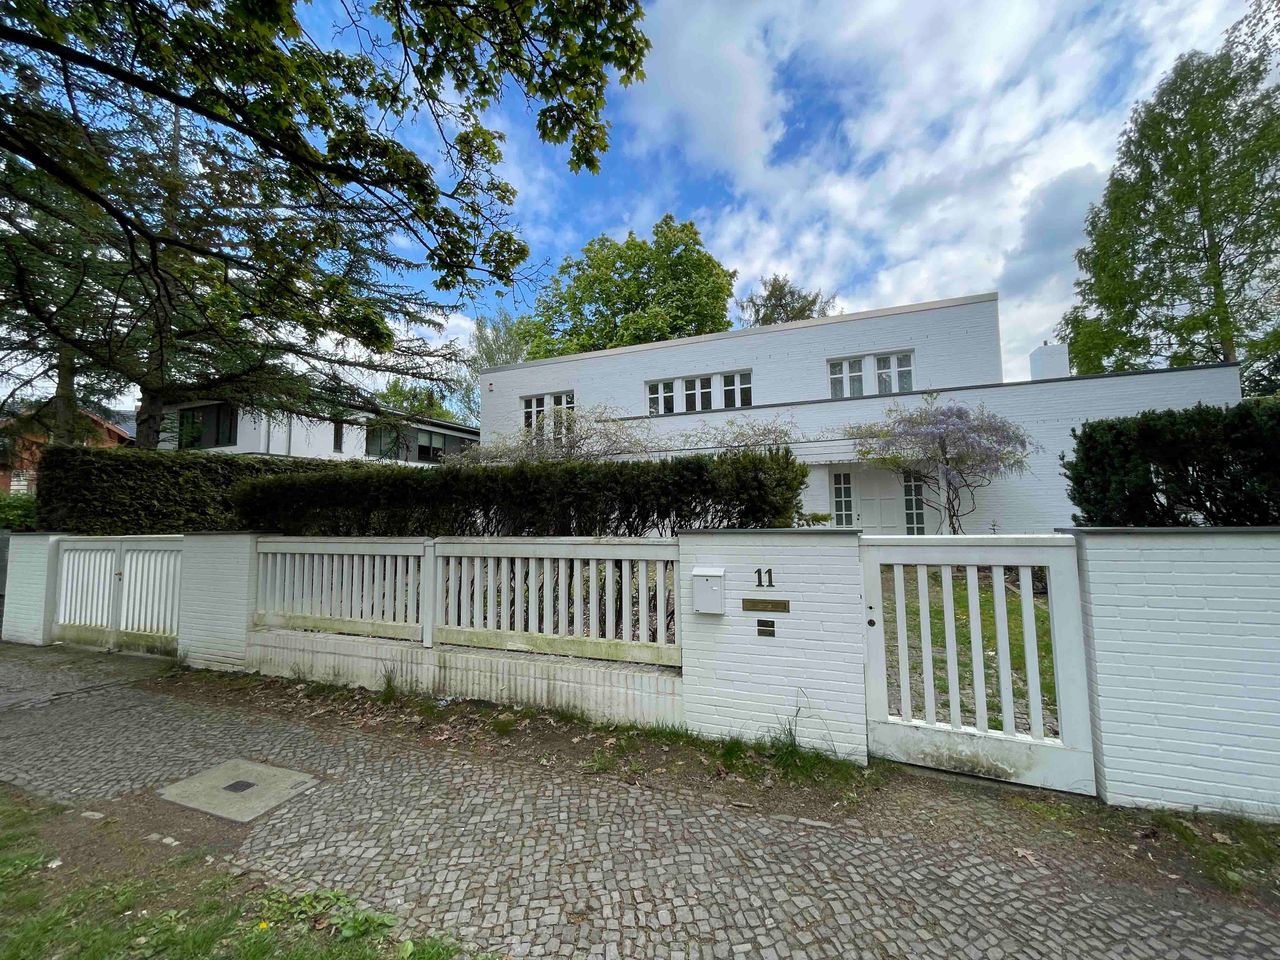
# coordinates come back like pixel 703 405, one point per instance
pixel 238 790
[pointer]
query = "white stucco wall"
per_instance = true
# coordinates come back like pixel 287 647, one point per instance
pixel 955 342
pixel 1182 634
pixel 30 593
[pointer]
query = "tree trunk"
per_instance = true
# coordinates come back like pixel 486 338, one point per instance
pixel 150 420
pixel 64 400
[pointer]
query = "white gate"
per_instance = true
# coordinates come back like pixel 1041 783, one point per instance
pixel 975 657
pixel 119 591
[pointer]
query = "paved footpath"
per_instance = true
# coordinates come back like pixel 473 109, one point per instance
pixel 539 863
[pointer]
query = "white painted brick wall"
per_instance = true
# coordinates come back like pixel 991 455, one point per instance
pixel 219 593
pixel 739 684
pixel 29 594
pixel 1183 636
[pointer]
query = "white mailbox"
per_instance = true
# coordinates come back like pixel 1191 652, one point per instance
pixel 708 590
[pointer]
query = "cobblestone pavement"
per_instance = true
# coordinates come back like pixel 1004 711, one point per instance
pixel 541 863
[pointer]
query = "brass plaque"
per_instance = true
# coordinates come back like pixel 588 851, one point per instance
pixel 766 606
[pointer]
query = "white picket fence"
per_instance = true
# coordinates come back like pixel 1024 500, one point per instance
pixel 368 587
pixel 119 589
pixel 604 598
pixel 946 616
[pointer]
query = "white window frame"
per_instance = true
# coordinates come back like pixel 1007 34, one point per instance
pixel 844 500
pixel 699 389
pixel 913 505
pixel 535 411
pixel 561 415
pixel 846 376
pixel 662 397
pixel 889 368
pixel 736 386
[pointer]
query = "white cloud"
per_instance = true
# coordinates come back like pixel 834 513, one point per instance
pixel 966 142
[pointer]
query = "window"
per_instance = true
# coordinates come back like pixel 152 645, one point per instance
pixel 913 501
pixel 846 378
pixel 534 410
pixel 843 513
pixel 337 436
pixel 561 415
pixel 210 426
pixel 430 446
pixel 697 393
pixel 662 397
pixel 893 373
pixel 737 389
pixel 386 443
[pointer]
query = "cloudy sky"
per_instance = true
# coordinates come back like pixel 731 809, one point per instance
pixel 890 152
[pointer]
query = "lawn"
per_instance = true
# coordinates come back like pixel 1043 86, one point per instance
pixel 182 908
pixel 964 658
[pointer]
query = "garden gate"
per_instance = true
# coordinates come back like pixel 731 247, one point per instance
pixel 119 591
pixel 975 657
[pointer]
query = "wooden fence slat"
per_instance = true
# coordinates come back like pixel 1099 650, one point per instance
pixel 1003 661
pixel 926 643
pixel 904 648
pixel 976 651
pixel 1032 654
pixel 949 633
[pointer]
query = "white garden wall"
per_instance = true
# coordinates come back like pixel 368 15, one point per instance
pixel 740 684
pixel 1183 636
pixel 30 595
pixel 219 594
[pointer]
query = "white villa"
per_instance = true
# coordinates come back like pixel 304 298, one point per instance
pixel 224 428
pixel 821 375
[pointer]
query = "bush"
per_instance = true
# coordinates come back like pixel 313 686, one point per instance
pixel 1174 468
pixel 86 491
pixel 17 512
pixel 564 498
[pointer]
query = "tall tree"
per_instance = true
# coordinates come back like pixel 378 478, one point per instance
pixel 495 340
pixel 1180 263
pixel 315 227
pixel 619 293
pixel 417 399
pixel 780 300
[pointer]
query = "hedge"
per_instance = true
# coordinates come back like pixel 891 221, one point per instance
pixel 114 492
pixel 745 489
pixel 1205 466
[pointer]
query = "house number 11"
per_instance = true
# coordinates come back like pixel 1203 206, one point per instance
pixel 764 578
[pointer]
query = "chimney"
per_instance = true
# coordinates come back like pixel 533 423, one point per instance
pixel 1049 360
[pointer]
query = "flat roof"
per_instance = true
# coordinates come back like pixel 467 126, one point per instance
pixel 755 331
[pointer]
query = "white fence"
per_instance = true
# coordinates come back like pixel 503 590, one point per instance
pixel 368 587
pixel 612 599
pixel 975 658
pixel 119 591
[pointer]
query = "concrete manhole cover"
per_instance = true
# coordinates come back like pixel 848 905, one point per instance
pixel 238 790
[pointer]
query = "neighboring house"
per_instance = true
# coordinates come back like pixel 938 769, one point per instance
pixel 20 453
pixel 819 376
pixel 224 428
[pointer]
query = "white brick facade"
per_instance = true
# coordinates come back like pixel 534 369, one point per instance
pixel 1183 635
pixel 30 593
pixel 956 352
pixel 739 684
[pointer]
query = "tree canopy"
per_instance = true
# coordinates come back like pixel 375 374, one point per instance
pixel 780 300
pixel 619 293
pixel 1180 262
pixel 496 340
pixel 251 195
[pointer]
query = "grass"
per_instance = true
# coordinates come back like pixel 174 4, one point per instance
pixel 1234 854
pixel 183 911
pixel 964 658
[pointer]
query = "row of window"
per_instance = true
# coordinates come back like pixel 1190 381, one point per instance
pixel 559 406
pixel 698 393
pixel 849 375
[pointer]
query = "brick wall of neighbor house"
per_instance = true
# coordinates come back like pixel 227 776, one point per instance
pixel 955 342
pixel 740 684
pixel 1183 637
pixel 30 596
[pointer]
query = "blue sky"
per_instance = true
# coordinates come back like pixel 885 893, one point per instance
pixel 888 152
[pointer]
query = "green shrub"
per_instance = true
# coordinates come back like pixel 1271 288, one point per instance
pixel 634 498
pixel 118 492
pixel 17 512
pixel 1205 466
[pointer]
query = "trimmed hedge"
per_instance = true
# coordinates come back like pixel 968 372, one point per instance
pixel 113 492
pixel 1205 466
pixel 746 489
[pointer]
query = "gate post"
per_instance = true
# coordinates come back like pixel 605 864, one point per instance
pixel 31 588
pixel 427 592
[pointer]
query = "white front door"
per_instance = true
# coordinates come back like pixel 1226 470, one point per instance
pixel 870 500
